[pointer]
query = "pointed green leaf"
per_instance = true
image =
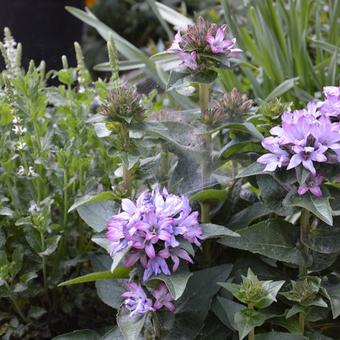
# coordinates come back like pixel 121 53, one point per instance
pixel 214 230
pixel 275 239
pixel 118 273
pixel 176 282
pixel 130 326
pixel 319 206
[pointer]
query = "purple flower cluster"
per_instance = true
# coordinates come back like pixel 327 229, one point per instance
pixel 138 303
pixel 154 229
pixel 306 137
pixel 203 38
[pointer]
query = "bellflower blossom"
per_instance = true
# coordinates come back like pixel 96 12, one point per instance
pixel 153 229
pixel 312 184
pixel 201 40
pixel 163 298
pixel 137 301
pixel 306 138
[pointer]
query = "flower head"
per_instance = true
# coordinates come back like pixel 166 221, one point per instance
pixel 163 298
pixel 312 184
pixel 136 300
pixel 305 138
pixel 124 106
pixel 201 40
pixel 153 228
pixel 230 108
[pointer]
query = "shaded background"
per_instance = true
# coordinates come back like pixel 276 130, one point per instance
pixel 45 29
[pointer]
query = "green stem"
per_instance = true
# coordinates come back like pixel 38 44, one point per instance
pixel 126 179
pixel 204 103
pixel 302 323
pixel 156 326
pixel 304 230
pixel 44 269
pixel 65 198
pixel 251 335
pixel 16 306
pixel 207 145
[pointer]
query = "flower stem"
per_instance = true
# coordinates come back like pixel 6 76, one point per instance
pixel 65 198
pixel 204 102
pixel 156 325
pixel 302 323
pixel 304 230
pixel 251 335
pixel 126 179
pixel 207 145
pixel 16 306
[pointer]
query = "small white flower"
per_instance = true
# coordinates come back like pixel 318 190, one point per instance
pixel 19 130
pixel 16 120
pixel 20 145
pixel 81 89
pixel 31 172
pixel 21 171
pixel 33 207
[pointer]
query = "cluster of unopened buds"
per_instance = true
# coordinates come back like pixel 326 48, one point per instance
pixel 307 138
pixel 201 40
pixel 155 228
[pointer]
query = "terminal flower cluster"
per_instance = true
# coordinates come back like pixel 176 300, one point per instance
pixel 154 229
pixel 309 138
pixel 199 41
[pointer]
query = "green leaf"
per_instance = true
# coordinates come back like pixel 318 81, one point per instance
pixel 155 9
pixel 97 214
pixel 87 199
pixel 173 17
pixel 319 206
pixel 247 319
pixel 130 326
pixel 272 194
pixel 110 292
pixel 333 294
pixel 118 273
pixel 101 130
pixel 230 308
pixel 214 230
pixel 252 170
pixel 191 308
pixel 4 211
pixel 244 217
pixel 273 238
pixel 279 336
pixel 176 282
pixel 323 239
pixel 50 245
pixel 117 258
pixel 210 195
pixel 84 334
pixel 124 65
pixel 282 89
pixel 102 241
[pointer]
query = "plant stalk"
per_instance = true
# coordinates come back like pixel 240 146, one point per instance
pixel 16 306
pixel 251 335
pixel 204 102
pixel 207 145
pixel 304 230
pixel 126 179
